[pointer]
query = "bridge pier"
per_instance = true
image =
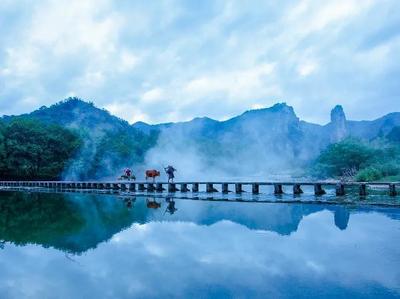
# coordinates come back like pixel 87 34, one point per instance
pixel 141 187
pixel 255 188
pixel 392 190
pixel 318 190
pixel 225 188
pixel 159 187
pixel 132 187
pixel 150 187
pixel 238 188
pixel 363 190
pixel 210 188
pixel 278 189
pixel 340 191
pixel 172 188
pixel 297 189
pixel 184 187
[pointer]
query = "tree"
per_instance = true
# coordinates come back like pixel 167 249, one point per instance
pixel 33 150
pixel 346 154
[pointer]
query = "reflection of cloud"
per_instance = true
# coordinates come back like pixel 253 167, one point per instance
pixel 181 259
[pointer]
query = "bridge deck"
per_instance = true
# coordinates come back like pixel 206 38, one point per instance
pixel 150 186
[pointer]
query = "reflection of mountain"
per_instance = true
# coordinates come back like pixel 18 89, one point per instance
pixel 78 222
pixel 281 218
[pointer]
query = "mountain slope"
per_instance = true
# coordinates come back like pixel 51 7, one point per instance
pixel 256 143
pixel 109 143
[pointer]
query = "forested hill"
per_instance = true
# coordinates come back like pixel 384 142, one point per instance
pixel 107 144
pixel 256 143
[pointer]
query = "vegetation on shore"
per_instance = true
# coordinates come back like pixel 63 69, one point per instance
pixel 359 160
pixel 31 149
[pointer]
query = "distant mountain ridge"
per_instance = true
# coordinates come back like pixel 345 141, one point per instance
pixel 269 140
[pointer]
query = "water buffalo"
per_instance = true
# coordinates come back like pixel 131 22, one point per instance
pixel 152 174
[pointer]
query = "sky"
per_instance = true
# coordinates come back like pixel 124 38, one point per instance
pixel 173 60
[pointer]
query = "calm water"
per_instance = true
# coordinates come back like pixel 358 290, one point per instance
pixel 103 246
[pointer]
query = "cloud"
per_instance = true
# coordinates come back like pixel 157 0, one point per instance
pixel 176 60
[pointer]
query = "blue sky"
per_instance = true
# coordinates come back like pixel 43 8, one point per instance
pixel 171 60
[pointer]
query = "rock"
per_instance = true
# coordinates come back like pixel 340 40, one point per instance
pixel 338 124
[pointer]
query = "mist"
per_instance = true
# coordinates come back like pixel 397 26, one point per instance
pixel 247 151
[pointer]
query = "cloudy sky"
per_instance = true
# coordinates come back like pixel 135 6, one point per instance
pixel 172 60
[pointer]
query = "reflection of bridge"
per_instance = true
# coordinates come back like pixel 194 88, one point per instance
pixel 210 187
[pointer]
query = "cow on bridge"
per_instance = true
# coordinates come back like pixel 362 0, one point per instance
pixel 152 173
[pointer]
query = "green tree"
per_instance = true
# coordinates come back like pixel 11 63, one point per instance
pixel 344 155
pixel 32 150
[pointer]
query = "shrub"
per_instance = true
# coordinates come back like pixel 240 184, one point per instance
pixel 369 174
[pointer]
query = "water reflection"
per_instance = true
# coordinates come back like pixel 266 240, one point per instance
pixel 78 222
pixel 194 249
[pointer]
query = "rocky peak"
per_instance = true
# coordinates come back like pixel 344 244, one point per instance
pixel 338 124
pixel 337 114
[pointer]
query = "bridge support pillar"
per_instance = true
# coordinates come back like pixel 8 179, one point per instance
pixel 278 189
pixel 132 187
pixel 184 188
pixel 255 188
pixel 150 187
pixel 318 190
pixel 297 189
pixel 340 191
pixel 363 190
pixel 123 187
pixel 238 188
pixel 195 187
pixel 392 190
pixel 141 187
pixel 159 187
pixel 225 188
pixel 210 188
pixel 172 188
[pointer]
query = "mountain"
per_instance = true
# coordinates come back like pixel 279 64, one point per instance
pixel 77 114
pixel 257 143
pixel 109 143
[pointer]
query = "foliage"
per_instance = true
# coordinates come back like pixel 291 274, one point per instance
pixel 346 154
pixel 30 149
pixel 371 161
pixel 394 135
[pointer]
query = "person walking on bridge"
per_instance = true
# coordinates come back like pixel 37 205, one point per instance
pixel 170 172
